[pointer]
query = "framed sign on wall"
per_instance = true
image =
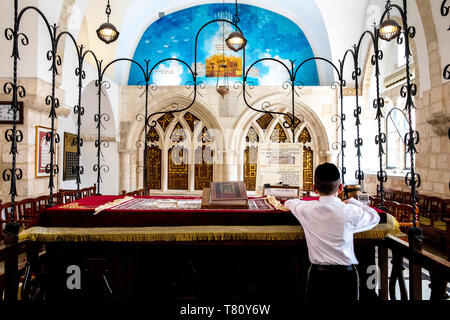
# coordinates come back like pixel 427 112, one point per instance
pixel 70 156
pixel 6 114
pixel 278 164
pixel 42 151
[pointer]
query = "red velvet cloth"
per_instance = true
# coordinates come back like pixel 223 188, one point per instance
pixel 59 216
pixel 62 216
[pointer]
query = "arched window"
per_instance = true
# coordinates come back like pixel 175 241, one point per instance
pixel 396 128
pixel 251 159
pixel 304 136
pixel 278 134
pixel 204 168
pixel 153 160
pixel 308 156
pixel 307 168
pixel 178 155
pixel 191 120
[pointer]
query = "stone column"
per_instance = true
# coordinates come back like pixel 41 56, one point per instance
pixel 134 179
pixel 230 166
pixel 326 156
pixel 125 166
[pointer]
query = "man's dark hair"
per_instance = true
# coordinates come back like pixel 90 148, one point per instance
pixel 327 178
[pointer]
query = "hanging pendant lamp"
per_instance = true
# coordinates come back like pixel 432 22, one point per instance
pixel 236 40
pixel 222 87
pixel 389 28
pixel 107 32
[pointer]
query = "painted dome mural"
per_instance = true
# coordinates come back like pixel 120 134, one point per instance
pixel 269 35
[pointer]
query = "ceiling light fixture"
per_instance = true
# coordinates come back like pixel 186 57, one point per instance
pixel 389 28
pixel 236 40
pixel 107 32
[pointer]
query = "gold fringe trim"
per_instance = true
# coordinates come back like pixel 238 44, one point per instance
pixel 189 233
pixel 73 205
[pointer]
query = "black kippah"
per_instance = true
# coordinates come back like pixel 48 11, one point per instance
pixel 327 172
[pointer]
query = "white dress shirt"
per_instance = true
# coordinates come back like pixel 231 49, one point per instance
pixel 329 225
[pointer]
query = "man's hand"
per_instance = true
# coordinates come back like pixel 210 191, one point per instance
pixel 274 202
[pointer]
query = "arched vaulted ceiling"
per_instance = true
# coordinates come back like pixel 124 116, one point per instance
pixel 133 17
pixel 331 26
pixel 304 13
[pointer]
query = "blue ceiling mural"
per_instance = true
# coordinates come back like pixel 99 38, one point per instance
pixel 269 35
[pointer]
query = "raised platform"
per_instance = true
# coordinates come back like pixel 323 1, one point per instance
pixel 260 257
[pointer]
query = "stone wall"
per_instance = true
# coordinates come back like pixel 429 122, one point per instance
pixel 230 117
pixel 433 117
pixel 394 182
pixel 433 158
pixel 36 113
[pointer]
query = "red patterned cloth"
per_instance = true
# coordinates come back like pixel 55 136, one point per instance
pixel 135 213
pixel 130 214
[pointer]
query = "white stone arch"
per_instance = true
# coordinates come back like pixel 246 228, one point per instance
pixel 88 156
pixel 89 100
pixel 161 103
pixel 75 18
pixel 319 137
pixel 315 127
pixel 208 119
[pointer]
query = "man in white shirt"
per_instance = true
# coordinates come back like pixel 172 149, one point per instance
pixel 329 225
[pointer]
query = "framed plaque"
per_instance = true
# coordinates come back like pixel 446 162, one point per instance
pixel 42 151
pixel 70 156
pixel 6 114
pixel 283 192
pixel 279 164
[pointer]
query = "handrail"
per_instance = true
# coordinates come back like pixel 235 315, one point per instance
pixel 438 268
pixel 9 253
pixel 426 259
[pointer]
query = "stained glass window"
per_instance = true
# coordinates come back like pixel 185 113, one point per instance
pixel 278 134
pixel 204 166
pixel 251 159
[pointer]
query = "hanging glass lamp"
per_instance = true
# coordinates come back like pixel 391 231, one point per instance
pixel 236 41
pixel 107 32
pixel 389 28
